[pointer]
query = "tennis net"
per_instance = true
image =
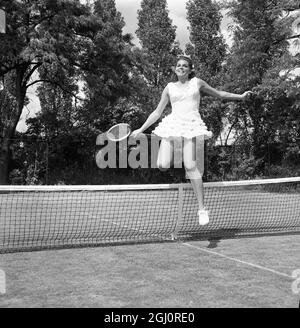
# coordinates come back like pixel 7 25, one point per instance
pixel 37 217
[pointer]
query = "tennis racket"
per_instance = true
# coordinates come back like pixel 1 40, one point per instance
pixel 118 132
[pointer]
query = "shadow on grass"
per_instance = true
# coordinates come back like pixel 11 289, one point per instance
pixel 216 236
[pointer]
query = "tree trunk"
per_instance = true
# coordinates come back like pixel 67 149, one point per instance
pixel 4 161
pixel 10 111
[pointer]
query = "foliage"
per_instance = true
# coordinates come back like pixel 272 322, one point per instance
pixel 109 77
pixel 91 76
pixel 51 41
pixel 207 46
pixel 155 59
pixel 260 60
pixel 207 49
pixel 157 37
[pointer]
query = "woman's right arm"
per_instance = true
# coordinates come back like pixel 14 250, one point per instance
pixel 156 114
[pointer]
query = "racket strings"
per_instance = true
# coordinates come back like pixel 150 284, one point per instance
pixel 119 132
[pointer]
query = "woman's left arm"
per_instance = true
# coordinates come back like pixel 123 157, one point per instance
pixel 206 88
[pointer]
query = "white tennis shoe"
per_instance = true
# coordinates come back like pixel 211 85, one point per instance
pixel 203 217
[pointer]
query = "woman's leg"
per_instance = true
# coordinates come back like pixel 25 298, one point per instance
pixel 194 172
pixel 165 154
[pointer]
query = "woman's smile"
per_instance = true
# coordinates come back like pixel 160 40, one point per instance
pixel 182 68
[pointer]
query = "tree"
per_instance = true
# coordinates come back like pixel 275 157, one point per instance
pixel 111 80
pixel 47 36
pixel 207 46
pixel 159 49
pixel 260 35
pixel 34 39
pixel 8 109
pixel 257 60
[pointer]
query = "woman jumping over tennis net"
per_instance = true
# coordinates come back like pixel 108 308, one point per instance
pixel 184 122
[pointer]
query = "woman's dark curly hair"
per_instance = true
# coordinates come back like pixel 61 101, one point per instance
pixel 191 66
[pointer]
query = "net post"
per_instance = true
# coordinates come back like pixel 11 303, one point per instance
pixel 180 210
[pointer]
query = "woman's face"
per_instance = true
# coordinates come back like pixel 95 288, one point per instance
pixel 182 68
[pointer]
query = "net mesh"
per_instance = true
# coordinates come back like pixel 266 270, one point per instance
pixel 47 217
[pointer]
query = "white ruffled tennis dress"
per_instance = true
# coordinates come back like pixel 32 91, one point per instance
pixel 184 120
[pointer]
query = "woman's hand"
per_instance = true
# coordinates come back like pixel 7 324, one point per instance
pixel 247 95
pixel 135 133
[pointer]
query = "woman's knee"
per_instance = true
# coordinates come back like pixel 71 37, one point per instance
pixel 193 172
pixel 190 165
pixel 163 165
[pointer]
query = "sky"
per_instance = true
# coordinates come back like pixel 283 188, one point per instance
pixel 177 12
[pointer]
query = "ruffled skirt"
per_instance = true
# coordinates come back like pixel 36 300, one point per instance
pixel 173 126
